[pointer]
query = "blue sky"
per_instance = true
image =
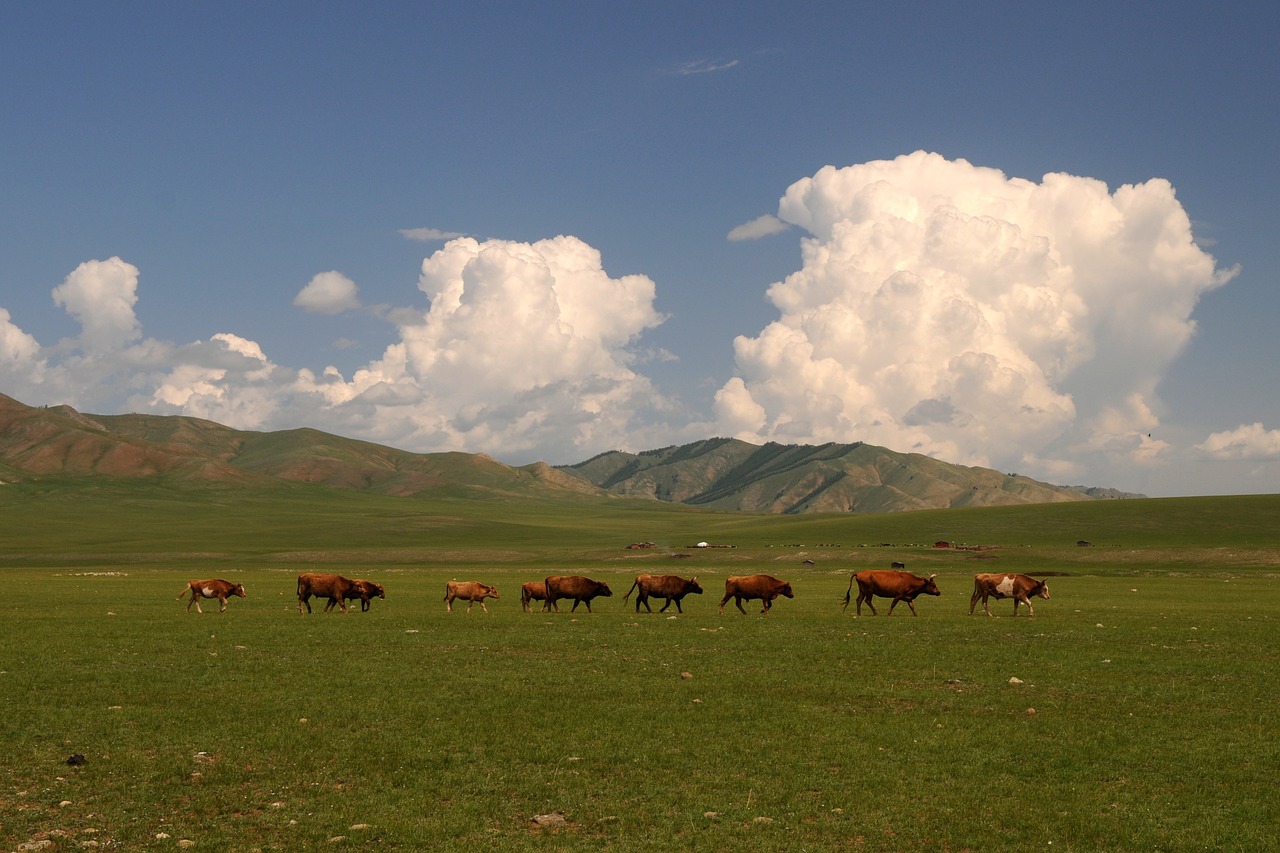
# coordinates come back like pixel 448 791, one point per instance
pixel 224 210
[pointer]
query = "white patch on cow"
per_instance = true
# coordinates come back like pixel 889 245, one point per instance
pixel 207 592
pixel 1005 587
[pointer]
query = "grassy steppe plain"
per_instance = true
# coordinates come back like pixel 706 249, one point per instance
pixel 1153 674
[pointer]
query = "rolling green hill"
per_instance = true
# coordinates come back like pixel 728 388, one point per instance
pixel 40 444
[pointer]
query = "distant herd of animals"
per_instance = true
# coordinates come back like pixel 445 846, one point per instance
pixel 896 584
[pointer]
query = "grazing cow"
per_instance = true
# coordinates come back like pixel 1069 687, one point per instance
pixel 670 587
pixel 900 586
pixel 336 588
pixel 212 588
pixel 533 591
pixel 763 587
pixel 365 591
pixel 470 592
pixel 580 589
pixel 1021 588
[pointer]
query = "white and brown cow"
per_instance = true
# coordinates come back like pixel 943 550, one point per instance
pixel 212 588
pixel 1021 588
pixel 748 587
pixel 470 592
pixel 889 583
pixel 669 587
pixel 336 588
pixel 577 587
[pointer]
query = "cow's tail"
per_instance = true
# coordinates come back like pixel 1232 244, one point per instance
pixel 849 591
pixel 634 584
pixel 185 590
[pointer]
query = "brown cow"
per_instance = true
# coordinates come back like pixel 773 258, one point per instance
pixel 533 591
pixel 470 592
pixel 365 591
pixel 669 587
pixel 900 586
pixel 334 587
pixel 763 587
pixel 580 589
pixel 1021 588
pixel 212 588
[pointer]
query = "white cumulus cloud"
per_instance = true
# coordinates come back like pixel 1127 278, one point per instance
pixel 526 351
pixel 328 293
pixel 948 309
pixel 101 295
pixel 1247 441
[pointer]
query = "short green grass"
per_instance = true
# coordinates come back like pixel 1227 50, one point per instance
pixel 1145 719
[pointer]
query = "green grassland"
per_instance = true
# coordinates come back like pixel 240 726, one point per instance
pixel 1143 715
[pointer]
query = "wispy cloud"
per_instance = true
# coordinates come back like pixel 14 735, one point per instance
pixel 761 226
pixel 429 235
pixel 705 66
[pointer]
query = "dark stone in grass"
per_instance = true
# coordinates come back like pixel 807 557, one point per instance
pixel 76 760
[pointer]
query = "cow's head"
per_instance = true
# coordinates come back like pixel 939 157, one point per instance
pixel 238 589
pixel 786 590
pixel 693 587
pixel 605 591
pixel 930 588
pixel 1041 589
pixel 491 591
pixel 371 588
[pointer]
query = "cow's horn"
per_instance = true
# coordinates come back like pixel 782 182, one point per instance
pixel 932 576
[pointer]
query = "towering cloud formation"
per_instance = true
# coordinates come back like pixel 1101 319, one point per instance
pixel 522 350
pixel 948 309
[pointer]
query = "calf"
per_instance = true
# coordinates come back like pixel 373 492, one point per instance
pixel 212 588
pixel 365 591
pixel 670 587
pixel 533 591
pixel 900 586
pixel 580 589
pixel 336 588
pixel 763 587
pixel 1021 588
pixel 470 592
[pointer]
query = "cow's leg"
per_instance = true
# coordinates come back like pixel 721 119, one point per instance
pixel 364 605
pixel 471 603
pixel 986 605
pixel 1031 611
pixel 448 603
pixel 727 596
pixel 195 599
pixel 973 600
pixel 482 607
pixel 870 604
pixel 737 599
pixel 768 602
pixel 222 603
pixel 912 605
pixel 679 609
pixel 645 599
pixel 893 604
pixel 586 602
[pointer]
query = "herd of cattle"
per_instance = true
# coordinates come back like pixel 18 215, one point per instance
pixel 895 584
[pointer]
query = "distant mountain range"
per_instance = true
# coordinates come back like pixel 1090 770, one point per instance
pixel 60 444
